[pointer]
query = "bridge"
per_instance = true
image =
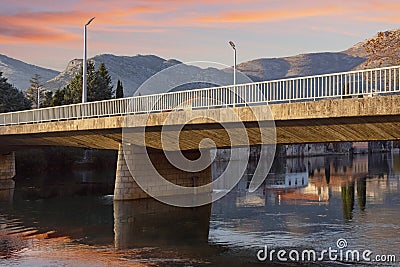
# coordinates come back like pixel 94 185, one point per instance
pixel 350 106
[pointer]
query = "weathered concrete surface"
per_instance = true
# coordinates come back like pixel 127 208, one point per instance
pixel 337 120
pixel 7 166
pixel 7 172
pixel 127 189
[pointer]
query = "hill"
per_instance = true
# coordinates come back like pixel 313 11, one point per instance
pixel 19 73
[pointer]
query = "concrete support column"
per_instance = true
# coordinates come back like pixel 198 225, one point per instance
pixel 7 172
pixel 127 189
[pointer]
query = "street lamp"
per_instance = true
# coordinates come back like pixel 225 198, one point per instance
pixel 38 98
pixel 84 89
pixel 232 44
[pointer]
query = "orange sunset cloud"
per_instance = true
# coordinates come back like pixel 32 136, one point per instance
pixel 271 15
pixel 51 26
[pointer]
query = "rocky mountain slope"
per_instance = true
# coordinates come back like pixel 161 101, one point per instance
pixel 304 64
pixel 19 73
pixel 131 70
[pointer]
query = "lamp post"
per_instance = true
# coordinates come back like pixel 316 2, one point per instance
pixel 84 83
pixel 38 97
pixel 232 44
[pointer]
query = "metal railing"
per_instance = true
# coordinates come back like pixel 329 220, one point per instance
pixel 361 83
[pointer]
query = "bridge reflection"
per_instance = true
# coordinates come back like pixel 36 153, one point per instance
pixel 6 190
pixel 148 222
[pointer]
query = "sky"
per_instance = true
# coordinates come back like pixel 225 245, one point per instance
pixel 49 33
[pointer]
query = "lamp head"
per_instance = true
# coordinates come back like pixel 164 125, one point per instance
pixel 232 44
pixel 89 21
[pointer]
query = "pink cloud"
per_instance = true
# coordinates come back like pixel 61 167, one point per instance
pixel 59 26
pixel 254 16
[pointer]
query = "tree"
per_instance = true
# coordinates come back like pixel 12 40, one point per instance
pixel 48 96
pixel 11 99
pixel 61 97
pixel 119 91
pixel 99 87
pixel 383 49
pixel 35 92
pixel 74 90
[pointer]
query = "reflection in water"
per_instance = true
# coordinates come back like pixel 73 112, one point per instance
pixel 348 200
pixel 343 197
pixel 327 172
pixel 362 193
pixel 7 190
pixel 304 203
pixel 147 222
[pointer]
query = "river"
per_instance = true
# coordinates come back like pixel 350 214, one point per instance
pixel 70 219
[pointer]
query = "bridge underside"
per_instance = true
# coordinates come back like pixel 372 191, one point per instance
pixel 366 128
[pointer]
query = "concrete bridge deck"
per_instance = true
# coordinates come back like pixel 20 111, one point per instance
pixel 335 120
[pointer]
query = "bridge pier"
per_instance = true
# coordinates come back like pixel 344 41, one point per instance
pixel 7 172
pixel 126 187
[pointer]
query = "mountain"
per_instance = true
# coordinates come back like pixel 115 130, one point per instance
pixel 302 65
pixel 19 73
pixel 131 70
pixel 63 78
pixel 134 70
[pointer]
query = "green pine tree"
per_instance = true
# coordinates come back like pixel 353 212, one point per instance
pixel 74 92
pixel 119 91
pixel 48 96
pixel 61 97
pixel 100 86
pixel 11 99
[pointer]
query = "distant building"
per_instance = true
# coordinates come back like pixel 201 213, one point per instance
pixel 286 180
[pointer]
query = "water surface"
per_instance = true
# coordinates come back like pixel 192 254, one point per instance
pixel 70 219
